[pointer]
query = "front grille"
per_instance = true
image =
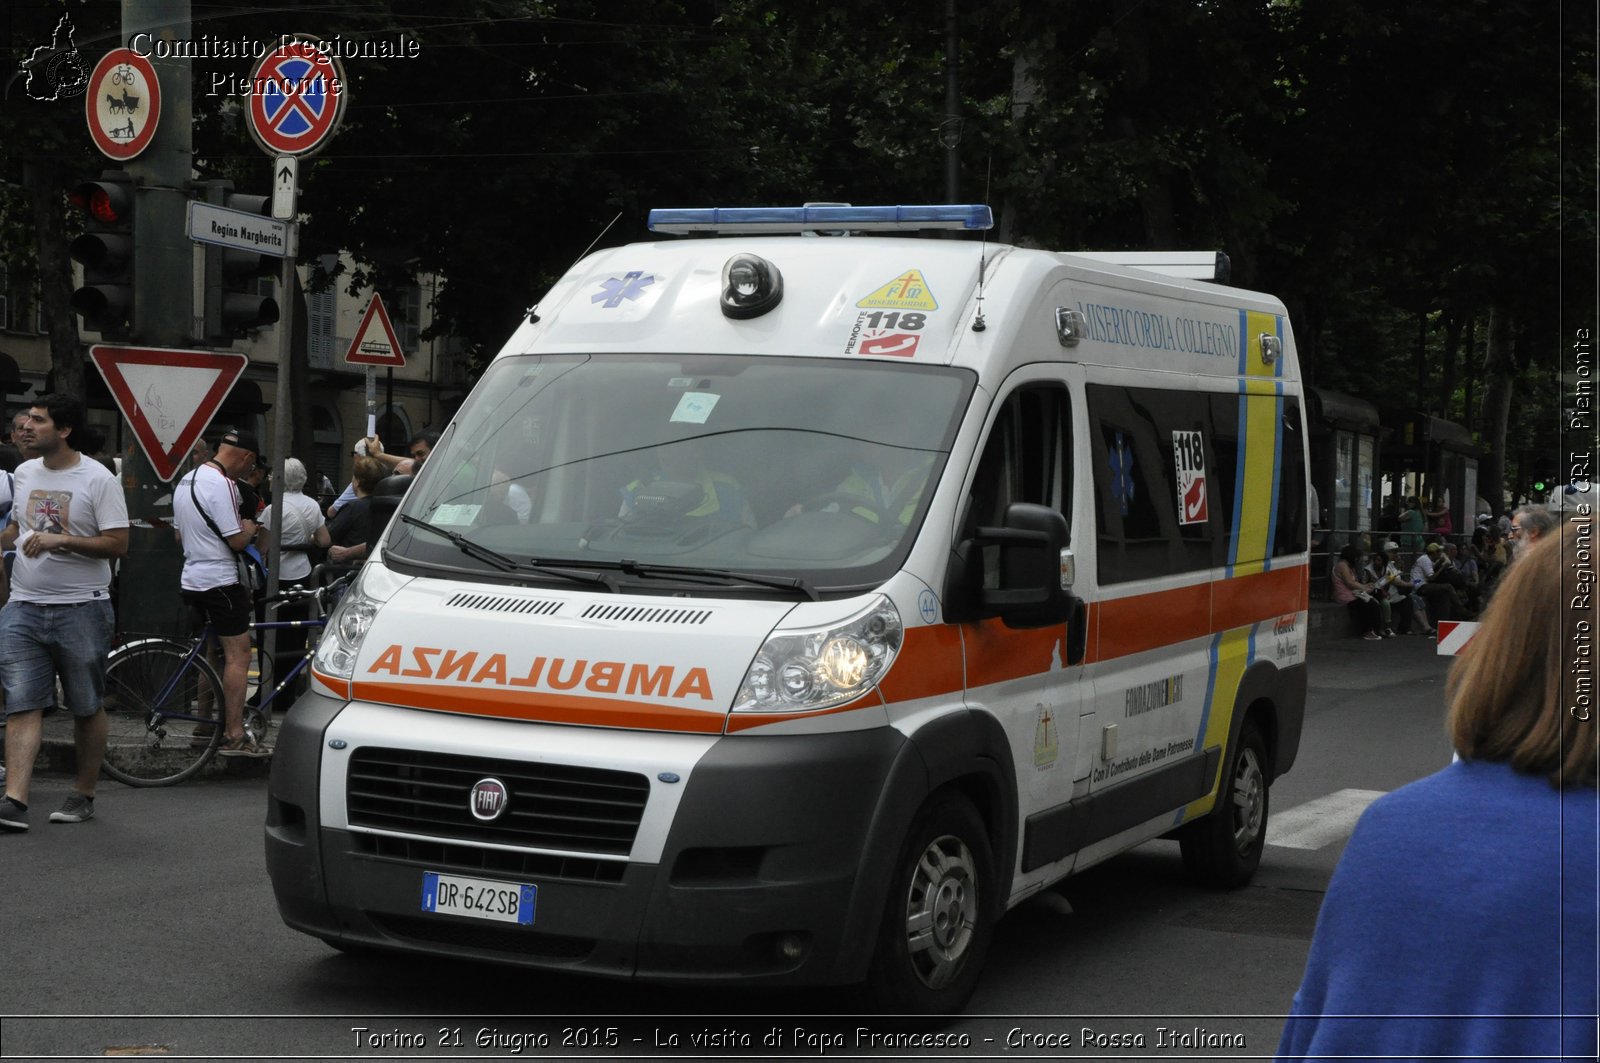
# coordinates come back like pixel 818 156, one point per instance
pixel 520 940
pixel 521 865
pixel 549 806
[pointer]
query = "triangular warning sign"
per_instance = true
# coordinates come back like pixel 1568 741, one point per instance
pixel 168 396
pixel 906 292
pixel 375 343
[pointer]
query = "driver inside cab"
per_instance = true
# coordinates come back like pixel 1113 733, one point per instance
pixel 685 486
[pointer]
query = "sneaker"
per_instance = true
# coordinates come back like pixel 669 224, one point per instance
pixel 75 809
pixel 13 816
pixel 1373 636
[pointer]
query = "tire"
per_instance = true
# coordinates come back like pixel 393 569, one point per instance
pixel 939 916
pixel 158 745
pixel 1223 849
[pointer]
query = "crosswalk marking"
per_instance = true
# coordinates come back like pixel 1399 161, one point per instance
pixel 1320 822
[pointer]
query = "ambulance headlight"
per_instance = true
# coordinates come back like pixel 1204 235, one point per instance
pixel 346 628
pixel 817 668
pixel 750 286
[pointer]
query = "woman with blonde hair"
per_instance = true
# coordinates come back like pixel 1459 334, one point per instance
pixel 1461 920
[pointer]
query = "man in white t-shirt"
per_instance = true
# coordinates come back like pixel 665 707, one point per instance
pixel 69 522
pixel 205 508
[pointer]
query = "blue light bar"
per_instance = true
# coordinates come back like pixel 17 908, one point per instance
pixel 811 219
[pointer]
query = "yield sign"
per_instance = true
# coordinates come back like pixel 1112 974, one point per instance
pixel 168 396
pixel 375 343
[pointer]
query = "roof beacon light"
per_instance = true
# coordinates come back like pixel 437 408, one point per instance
pixel 750 287
pixel 806 219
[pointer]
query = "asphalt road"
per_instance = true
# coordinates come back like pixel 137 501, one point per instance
pixel 152 929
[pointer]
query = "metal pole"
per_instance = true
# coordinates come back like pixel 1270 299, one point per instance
pixel 283 419
pixel 163 315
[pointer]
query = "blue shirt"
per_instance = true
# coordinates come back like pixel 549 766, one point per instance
pixel 1460 920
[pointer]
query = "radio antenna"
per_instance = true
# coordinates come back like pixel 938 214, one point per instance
pixel 978 324
pixel 530 311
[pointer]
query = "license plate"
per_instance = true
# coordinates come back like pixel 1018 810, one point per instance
pixel 505 902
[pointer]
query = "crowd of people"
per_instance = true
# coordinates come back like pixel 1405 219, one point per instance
pixel 63 527
pixel 1417 576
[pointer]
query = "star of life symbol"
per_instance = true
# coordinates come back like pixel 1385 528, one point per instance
pixel 1121 462
pixel 55 70
pixel 630 285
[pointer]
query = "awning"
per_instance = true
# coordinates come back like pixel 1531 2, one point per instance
pixel 1334 409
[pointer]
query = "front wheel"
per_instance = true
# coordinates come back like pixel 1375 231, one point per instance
pixel 940 914
pixel 163 713
pixel 1224 848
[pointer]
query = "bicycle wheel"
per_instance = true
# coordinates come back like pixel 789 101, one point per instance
pixel 153 740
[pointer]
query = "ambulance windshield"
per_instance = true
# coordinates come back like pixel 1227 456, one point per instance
pixel 811 468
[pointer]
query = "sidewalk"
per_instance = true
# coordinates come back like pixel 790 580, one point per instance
pixel 58 756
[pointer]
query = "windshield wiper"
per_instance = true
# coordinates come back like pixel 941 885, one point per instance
pixel 788 583
pixel 508 564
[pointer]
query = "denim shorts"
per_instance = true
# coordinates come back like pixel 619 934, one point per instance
pixel 40 642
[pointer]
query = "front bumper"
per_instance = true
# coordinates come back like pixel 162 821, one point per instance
pixel 770 864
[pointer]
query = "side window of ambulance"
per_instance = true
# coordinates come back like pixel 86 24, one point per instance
pixel 1292 533
pixel 1026 459
pixel 1159 506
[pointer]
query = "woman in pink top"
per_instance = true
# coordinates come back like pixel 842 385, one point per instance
pixel 1349 589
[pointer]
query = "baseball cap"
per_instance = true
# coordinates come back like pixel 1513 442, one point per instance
pixel 1391 545
pixel 1434 548
pixel 243 440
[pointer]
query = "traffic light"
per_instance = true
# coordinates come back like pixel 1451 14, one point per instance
pixel 234 303
pixel 105 250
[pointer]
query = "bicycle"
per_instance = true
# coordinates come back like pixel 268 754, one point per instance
pixel 163 697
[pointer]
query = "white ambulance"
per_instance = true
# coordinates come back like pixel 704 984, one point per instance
pixel 785 604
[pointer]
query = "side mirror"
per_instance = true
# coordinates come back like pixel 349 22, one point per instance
pixel 1028 583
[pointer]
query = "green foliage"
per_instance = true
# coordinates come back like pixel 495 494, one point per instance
pixel 1392 168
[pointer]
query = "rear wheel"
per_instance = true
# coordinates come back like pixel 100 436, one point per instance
pixel 163 719
pixel 940 914
pixel 1224 848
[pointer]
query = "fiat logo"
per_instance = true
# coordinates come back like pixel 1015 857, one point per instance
pixel 488 799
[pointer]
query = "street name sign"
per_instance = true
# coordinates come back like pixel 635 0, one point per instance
pixel 225 227
pixel 167 395
pixel 123 104
pixel 375 342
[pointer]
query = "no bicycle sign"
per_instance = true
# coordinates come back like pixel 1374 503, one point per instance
pixel 297 95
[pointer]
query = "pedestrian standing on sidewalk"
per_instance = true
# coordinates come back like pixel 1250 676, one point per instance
pixel 205 508
pixel 303 532
pixel 1461 920
pixel 69 522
